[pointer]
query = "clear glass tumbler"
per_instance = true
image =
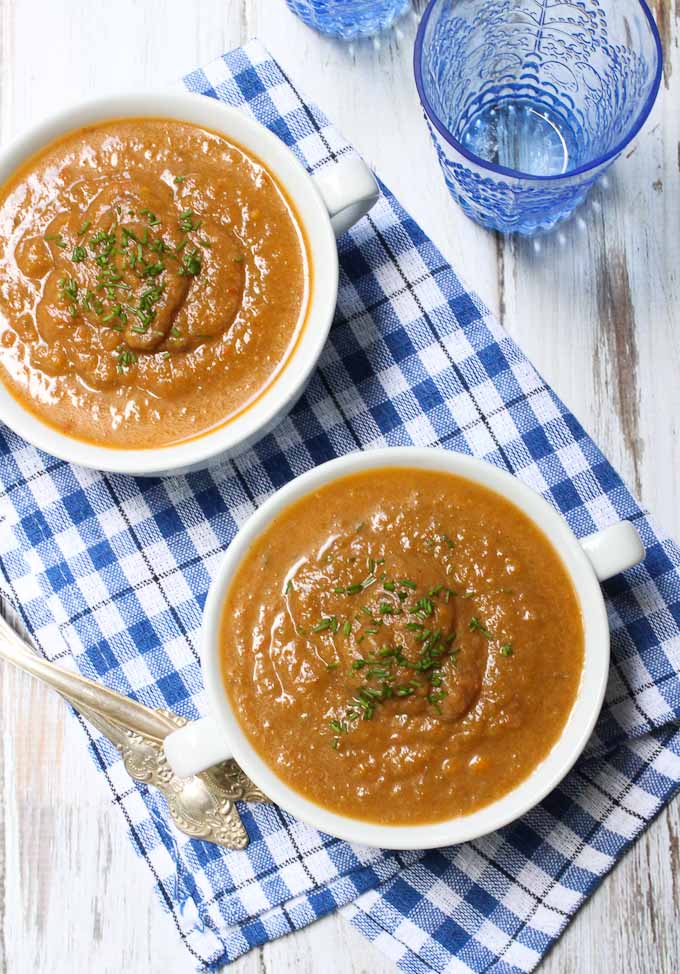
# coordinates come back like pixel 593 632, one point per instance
pixel 348 18
pixel 529 101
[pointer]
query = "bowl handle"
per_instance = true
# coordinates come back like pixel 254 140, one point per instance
pixel 613 550
pixel 195 747
pixel 349 190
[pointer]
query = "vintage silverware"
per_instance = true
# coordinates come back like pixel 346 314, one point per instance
pixel 202 806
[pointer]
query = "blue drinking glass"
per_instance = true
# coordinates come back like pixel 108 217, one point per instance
pixel 348 18
pixel 530 101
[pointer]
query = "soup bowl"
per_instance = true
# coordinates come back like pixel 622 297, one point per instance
pixel 205 742
pixel 326 204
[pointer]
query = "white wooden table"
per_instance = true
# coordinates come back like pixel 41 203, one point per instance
pixel 596 307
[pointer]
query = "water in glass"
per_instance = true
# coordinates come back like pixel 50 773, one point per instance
pixel 530 101
pixel 523 134
pixel 348 18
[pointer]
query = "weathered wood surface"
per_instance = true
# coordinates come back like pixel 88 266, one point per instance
pixel 596 306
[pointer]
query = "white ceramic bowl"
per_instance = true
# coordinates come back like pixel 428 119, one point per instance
pixel 326 204
pixel 212 739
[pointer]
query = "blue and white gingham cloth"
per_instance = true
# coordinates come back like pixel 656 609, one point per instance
pixel 111 573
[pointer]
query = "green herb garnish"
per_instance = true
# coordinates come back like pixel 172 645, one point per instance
pixel 58 239
pixel 152 219
pixel 476 626
pixel 187 222
pixel 330 622
pixel 125 358
pixel 191 263
pixel 69 288
pixel 424 607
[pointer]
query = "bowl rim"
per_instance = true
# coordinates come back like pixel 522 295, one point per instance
pixel 230 437
pixel 516 173
pixel 578 727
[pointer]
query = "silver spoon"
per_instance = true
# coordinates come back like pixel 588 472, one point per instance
pixel 202 806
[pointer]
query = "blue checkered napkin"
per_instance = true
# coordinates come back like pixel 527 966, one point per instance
pixel 111 573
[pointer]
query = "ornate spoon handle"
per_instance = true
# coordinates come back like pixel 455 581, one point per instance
pixel 202 806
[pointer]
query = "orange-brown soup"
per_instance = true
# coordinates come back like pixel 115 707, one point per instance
pixel 154 281
pixel 402 646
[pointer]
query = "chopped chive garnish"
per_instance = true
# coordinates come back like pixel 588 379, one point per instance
pixel 347 628
pixel 179 179
pixel 424 606
pixel 191 264
pixel 330 622
pixel 69 288
pixel 477 626
pixel 125 358
pixel 407 583
pixel 506 649
pixel 187 222
pixel 151 217
pixel 57 238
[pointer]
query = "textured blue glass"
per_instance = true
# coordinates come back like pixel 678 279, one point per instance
pixel 348 18
pixel 530 101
